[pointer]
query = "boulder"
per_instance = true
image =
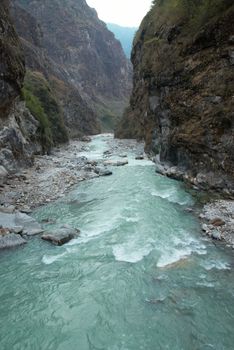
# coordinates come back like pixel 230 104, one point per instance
pixel 20 220
pixel 139 157
pixel 121 162
pixel 116 163
pixel 86 139
pixel 103 171
pixel 11 240
pixel 8 210
pixel 61 236
pixel 217 222
pixel 30 225
pixel 216 235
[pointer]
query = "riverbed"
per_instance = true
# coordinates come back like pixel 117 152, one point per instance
pixel 140 276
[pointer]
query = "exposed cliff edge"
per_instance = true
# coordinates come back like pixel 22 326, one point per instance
pixel 182 102
pixel 18 128
pixel 79 57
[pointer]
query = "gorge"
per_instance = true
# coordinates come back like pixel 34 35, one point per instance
pixel 108 249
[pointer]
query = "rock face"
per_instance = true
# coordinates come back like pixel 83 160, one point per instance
pixel 18 128
pixel 82 61
pixel 12 63
pixel 61 236
pixel 182 102
pixel 11 240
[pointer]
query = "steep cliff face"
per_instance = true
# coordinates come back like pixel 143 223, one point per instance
pixel 11 61
pixel 182 101
pixel 18 128
pixel 77 51
pixel 72 111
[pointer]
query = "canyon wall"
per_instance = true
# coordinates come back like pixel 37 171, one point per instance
pixel 182 102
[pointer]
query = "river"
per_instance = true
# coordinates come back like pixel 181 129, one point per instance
pixel 140 276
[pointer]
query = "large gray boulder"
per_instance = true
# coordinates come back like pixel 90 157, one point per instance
pixel 102 171
pixel 61 236
pixel 11 240
pixel 12 221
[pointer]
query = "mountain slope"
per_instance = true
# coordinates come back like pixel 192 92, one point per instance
pixel 80 52
pixel 18 128
pixel 125 35
pixel 182 101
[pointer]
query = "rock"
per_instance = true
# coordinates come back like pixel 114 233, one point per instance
pixel 217 222
pixel 86 139
pixel 175 173
pixel 4 231
pixel 140 157
pixel 11 240
pixel 48 221
pixel 215 234
pixel 11 221
pixel 189 210
pixel 17 229
pixel 220 216
pixel 26 210
pixel 160 169
pixel 205 228
pixel 103 171
pixel 163 94
pixel 116 163
pixel 121 163
pixel 3 175
pixel 61 236
pixel 8 210
pixel 30 225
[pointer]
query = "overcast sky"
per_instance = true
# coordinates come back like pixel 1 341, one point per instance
pixel 124 12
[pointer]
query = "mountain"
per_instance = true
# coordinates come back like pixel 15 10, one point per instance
pixel 19 139
pixel 183 81
pixel 125 35
pixel 82 62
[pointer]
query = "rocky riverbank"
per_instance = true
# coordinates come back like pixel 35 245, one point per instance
pixel 218 220
pixel 217 216
pixel 50 178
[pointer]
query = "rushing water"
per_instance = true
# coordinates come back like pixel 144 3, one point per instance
pixel 141 276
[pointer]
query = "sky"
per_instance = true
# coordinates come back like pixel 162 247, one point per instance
pixel 128 13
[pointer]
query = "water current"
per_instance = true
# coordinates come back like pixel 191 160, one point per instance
pixel 140 276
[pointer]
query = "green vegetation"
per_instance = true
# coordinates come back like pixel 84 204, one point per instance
pixel 35 107
pixel 43 105
pixel 192 14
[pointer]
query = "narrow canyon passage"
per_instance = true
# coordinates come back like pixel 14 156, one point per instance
pixel 140 276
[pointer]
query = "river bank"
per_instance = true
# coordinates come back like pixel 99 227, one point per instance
pixel 52 177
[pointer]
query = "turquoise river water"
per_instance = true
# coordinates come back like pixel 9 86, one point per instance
pixel 140 276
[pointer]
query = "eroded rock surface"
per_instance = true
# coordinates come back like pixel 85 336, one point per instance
pixel 79 57
pixel 182 102
pixel 61 236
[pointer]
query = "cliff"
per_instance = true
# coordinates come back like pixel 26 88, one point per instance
pixel 18 128
pixel 79 57
pixel 125 35
pixel 182 102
